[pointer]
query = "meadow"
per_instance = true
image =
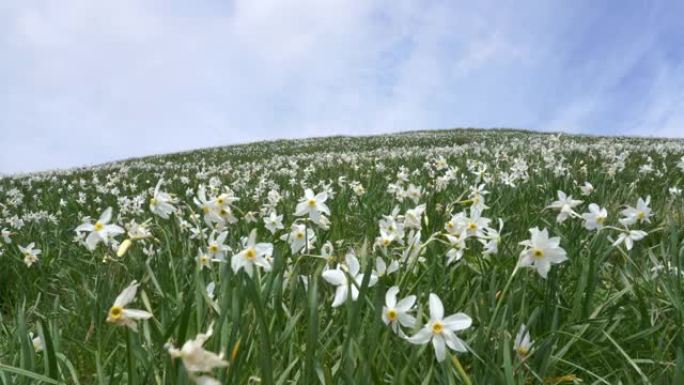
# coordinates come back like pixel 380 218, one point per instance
pixel 437 257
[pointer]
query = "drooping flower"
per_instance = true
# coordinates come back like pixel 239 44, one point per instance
pixel 587 189
pixel 441 330
pixel 252 254
pixel 396 314
pixel 100 231
pixel 595 218
pixel 119 315
pixel 350 281
pixel 541 251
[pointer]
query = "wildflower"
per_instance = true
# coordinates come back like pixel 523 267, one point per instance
pixel 6 236
pixel 522 343
pixel 629 237
pixel 161 203
pixel 198 360
pixel 541 251
pixel 30 254
pixel 101 231
pixel 587 189
pixel 345 282
pixel 457 249
pixel 381 268
pixel 594 219
pixel 413 217
pixel 204 259
pixel 252 254
pixel 395 314
pixel 216 246
pixel 641 213
pixel 441 330
pixel 273 222
pixel 491 239
pixel 119 315
pixel 209 209
pixel 312 205
pixel 564 204
pixel 37 343
pixel 300 238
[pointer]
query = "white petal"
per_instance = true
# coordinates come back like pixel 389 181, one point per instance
pixel 436 308
pixel 458 321
pixel 391 296
pixel 335 277
pixel 440 347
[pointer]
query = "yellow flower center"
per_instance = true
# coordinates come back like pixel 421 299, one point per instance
pixel 392 314
pixel 522 351
pixel 450 225
pixel 153 201
pixel 116 312
pixel 437 327
pixel 204 259
pixel 300 235
pixel 250 253
pixel 311 202
pixel 99 226
pixel 386 241
pixel 600 220
pixel 641 215
pixel 205 209
pixel 472 226
pixel 538 253
pixel 213 248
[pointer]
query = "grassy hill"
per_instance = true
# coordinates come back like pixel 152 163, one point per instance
pixel 548 288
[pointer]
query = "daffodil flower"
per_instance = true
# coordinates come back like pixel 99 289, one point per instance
pixel 395 314
pixel 100 231
pixel 312 205
pixel 120 315
pixel 541 251
pixel 441 330
pixel 198 360
pixel 348 281
pixel 161 203
pixel 253 254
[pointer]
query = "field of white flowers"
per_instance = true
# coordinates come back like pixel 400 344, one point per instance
pixel 450 257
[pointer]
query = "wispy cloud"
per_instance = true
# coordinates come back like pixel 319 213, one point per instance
pixel 86 82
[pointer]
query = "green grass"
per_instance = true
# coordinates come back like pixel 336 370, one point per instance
pixel 603 317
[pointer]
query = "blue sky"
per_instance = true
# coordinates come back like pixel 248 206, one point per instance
pixel 86 82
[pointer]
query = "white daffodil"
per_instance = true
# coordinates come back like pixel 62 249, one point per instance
pixel 253 254
pixel 30 254
pixel 312 205
pixel 641 213
pixel 587 189
pixel 629 237
pixel 381 268
pixel 350 281
pixel 396 314
pixel 197 360
pixel 595 218
pixel 680 164
pixel 273 222
pixel 441 331
pixel 300 238
pixel 216 247
pixel 522 343
pixel 491 239
pixel 100 231
pixel 475 223
pixel 458 247
pixel 119 315
pixel 208 207
pixel 6 236
pixel 161 203
pixel 413 217
pixel 564 205
pixel 541 251
pixel 204 259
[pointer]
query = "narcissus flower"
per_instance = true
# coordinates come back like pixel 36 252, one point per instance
pixel 198 360
pixel 441 331
pixel 587 189
pixel 350 281
pixel 273 222
pixel 30 254
pixel 564 205
pixel 253 254
pixel 641 213
pixel 100 231
pixel 629 237
pixel 595 218
pixel 541 251
pixel 522 343
pixel 161 203
pixel 312 205
pixel 396 314
pixel 119 315
pixel 300 238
